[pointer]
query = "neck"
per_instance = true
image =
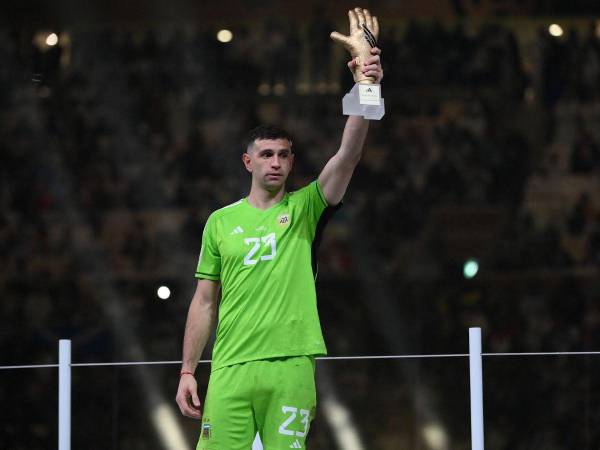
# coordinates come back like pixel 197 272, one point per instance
pixel 262 198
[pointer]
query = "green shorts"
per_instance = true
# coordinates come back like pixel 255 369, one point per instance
pixel 275 397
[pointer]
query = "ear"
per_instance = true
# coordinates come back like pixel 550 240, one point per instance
pixel 247 162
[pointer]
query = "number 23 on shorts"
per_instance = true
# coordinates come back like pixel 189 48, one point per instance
pixel 292 414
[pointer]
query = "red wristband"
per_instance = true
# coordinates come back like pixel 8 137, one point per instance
pixel 184 372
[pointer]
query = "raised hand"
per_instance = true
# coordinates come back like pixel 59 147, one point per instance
pixel 362 45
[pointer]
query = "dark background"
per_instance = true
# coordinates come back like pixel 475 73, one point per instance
pixel 117 143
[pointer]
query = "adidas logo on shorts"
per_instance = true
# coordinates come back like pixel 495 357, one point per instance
pixel 296 444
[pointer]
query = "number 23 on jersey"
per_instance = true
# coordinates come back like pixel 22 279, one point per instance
pixel 255 244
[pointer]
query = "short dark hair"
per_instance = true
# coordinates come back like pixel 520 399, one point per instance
pixel 266 132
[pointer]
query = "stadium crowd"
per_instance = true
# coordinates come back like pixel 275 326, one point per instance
pixel 115 145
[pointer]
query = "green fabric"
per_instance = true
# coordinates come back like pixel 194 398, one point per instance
pixel 275 397
pixel 263 259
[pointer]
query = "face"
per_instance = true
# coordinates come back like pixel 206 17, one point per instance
pixel 270 161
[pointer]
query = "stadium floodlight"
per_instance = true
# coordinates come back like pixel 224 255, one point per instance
pixel 224 36
pixel 52 40
pixel 163 292
pixel 555 30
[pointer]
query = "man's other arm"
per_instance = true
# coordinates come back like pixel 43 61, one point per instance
pixel 336 174
pixel 200 322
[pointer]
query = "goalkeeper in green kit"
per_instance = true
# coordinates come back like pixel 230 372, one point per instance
pixel 260 252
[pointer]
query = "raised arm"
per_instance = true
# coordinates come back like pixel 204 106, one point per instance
pixel 200 321
pixel 366 69
pixel 336 174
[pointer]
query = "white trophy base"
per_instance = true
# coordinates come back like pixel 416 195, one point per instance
pixel 364 100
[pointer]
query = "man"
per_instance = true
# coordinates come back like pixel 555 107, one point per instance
pixel 260 252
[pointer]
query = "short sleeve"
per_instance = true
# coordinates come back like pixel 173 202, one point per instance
pixel 313 203
pixel 209 262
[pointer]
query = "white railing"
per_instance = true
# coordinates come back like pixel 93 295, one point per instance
pixel 475 356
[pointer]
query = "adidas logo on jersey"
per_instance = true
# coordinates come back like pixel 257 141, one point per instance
pixel 296 444
pixel 236 230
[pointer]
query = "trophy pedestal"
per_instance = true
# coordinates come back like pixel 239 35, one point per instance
pixel 364 100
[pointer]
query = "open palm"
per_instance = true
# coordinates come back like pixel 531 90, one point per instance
pixel 364 31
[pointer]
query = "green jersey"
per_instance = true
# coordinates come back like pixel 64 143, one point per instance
pixel 265 260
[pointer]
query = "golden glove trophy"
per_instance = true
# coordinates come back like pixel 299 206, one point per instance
pixel 365 97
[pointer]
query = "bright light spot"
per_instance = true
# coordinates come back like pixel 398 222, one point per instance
pixel 166 422
pixel 224 36
pixel 470 268
pixel 555 30
pixel 340 421
pixel 52 39
pixel 435 436
pixel 163 292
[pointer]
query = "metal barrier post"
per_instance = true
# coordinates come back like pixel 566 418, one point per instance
pixel 476 377
pixel 64 394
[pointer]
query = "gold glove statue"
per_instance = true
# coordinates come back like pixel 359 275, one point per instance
pixel 364 31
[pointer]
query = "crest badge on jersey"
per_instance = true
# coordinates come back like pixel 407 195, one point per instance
pixel 283 220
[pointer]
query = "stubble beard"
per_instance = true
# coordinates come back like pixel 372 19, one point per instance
pixel 273 186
